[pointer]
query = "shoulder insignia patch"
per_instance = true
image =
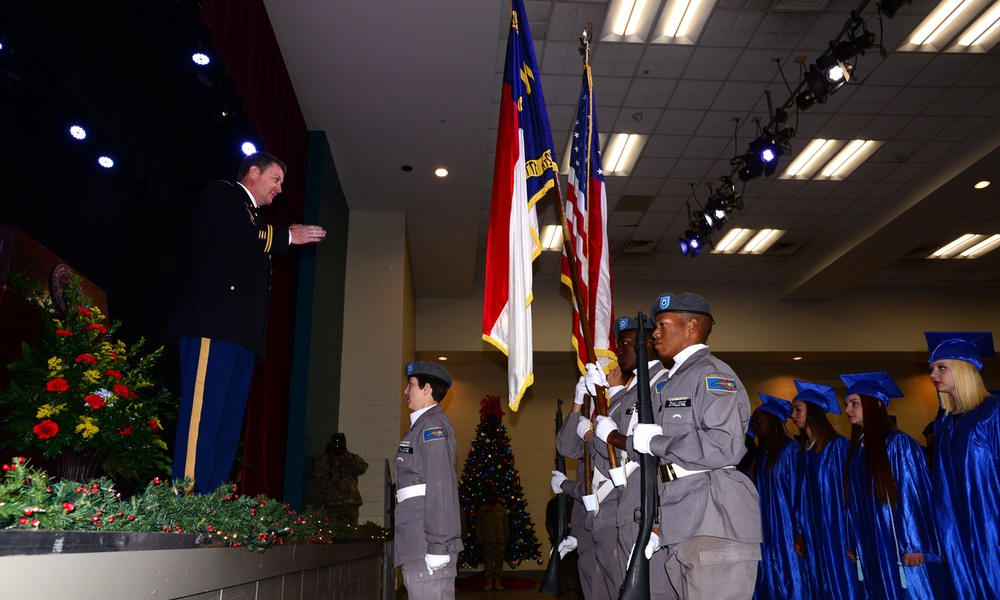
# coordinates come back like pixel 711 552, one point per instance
pixel 433 434
pixel 720 384
pixel 659 386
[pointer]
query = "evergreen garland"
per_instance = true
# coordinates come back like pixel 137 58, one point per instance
pixel 30 499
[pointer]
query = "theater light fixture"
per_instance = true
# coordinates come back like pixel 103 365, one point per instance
pixel 200 58
pixel 762 157
pixel 106 162
pixel 77 132
pixel 691 243
pixel 248 148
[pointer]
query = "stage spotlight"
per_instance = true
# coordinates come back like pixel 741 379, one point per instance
pixel 717 209
pixel 836 72
pixel 762 159
pixel 248 148
pixel 691 243
pixel 78 133
pixel 200 58
pixel 106 162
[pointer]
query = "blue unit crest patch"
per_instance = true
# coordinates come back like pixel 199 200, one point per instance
pixel 434 433
pixel 720 384
pixel 664 302
pixel 659 386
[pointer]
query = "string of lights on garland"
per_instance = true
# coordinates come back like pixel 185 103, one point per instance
pixel 30 499
pixel 489 470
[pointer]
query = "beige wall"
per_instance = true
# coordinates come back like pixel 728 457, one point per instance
pixel 378 326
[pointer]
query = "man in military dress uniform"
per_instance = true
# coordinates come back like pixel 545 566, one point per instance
pixel 428 533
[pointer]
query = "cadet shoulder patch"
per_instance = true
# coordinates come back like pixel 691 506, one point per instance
pixel 720 384
pixel 433 434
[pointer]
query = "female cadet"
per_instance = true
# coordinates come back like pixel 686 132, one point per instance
pixel 967 459
pixel 820 511
pixel 888 495
pixel 775 473
pixel 428 531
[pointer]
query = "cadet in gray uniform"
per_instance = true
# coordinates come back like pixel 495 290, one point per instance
pixel 623 417
pixel 428 533
pixel 709 512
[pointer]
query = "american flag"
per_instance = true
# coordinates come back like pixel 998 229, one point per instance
pixel 586 219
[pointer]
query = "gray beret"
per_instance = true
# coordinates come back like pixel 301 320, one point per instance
pixel 687 302
pixel 629 324
pixel 427 369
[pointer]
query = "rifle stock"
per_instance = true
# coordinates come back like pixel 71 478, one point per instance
pixel 636 584
pixel 550 583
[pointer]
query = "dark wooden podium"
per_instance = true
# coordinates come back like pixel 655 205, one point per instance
pixel 20 322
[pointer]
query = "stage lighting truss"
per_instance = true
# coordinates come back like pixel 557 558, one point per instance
pixel 833 69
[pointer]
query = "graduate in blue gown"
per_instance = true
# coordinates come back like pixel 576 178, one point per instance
pixel 966 463
pixel 888 496
pixel 820 513
pixel 775 473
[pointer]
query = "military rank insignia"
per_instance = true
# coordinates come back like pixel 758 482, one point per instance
pixel 720 384
pixel 432 434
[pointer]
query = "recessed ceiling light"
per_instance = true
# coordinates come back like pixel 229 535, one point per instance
pixel 762 241
pixel 796 358
pixel 958 245
pixel 441 172
pixel 982 184
pixel 442 358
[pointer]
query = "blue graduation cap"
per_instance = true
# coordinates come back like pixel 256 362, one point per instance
pixel 776 406
pixel 876 384
pixel 968 346
pixel 821 395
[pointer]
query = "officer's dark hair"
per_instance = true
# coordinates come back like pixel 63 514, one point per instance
pixel 438 388
pixel 261 160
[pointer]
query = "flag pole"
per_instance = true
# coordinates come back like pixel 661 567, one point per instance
pixel 601 401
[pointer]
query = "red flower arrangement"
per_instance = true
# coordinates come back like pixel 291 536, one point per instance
pixel 81 390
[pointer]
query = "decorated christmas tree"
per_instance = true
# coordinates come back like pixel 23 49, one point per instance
pixel 489 470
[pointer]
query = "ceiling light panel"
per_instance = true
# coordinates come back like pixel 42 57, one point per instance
pixel 629 20
pixel 957 26
pixel 957 246
pixel 682 21
pixel 831 160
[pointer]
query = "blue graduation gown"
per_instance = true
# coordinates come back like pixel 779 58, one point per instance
pixel 823 523
pixel 879 550
pixel 780 575
pixel 967 498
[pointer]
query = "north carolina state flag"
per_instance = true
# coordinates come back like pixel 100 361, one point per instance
pixel 524 172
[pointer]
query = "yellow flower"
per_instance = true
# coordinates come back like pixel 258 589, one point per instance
pixel 47 410
pixel 55 366
pixel 86 428
pixel 92 376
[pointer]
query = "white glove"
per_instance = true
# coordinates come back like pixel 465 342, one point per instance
pixel 595 377
pixel 436 562
pixel 605 425
pixel 653 545
pixel 642 435
pixel 566 546
pixel 557 481
pixel 581 390
pixel 582 427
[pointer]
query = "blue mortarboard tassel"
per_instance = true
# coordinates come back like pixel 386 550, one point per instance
pixel 877 384
pixel 821 395
pixel 968 346
pixel 776 406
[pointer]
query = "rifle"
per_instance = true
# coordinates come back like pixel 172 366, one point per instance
pixel 636 584
pixel 550 583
